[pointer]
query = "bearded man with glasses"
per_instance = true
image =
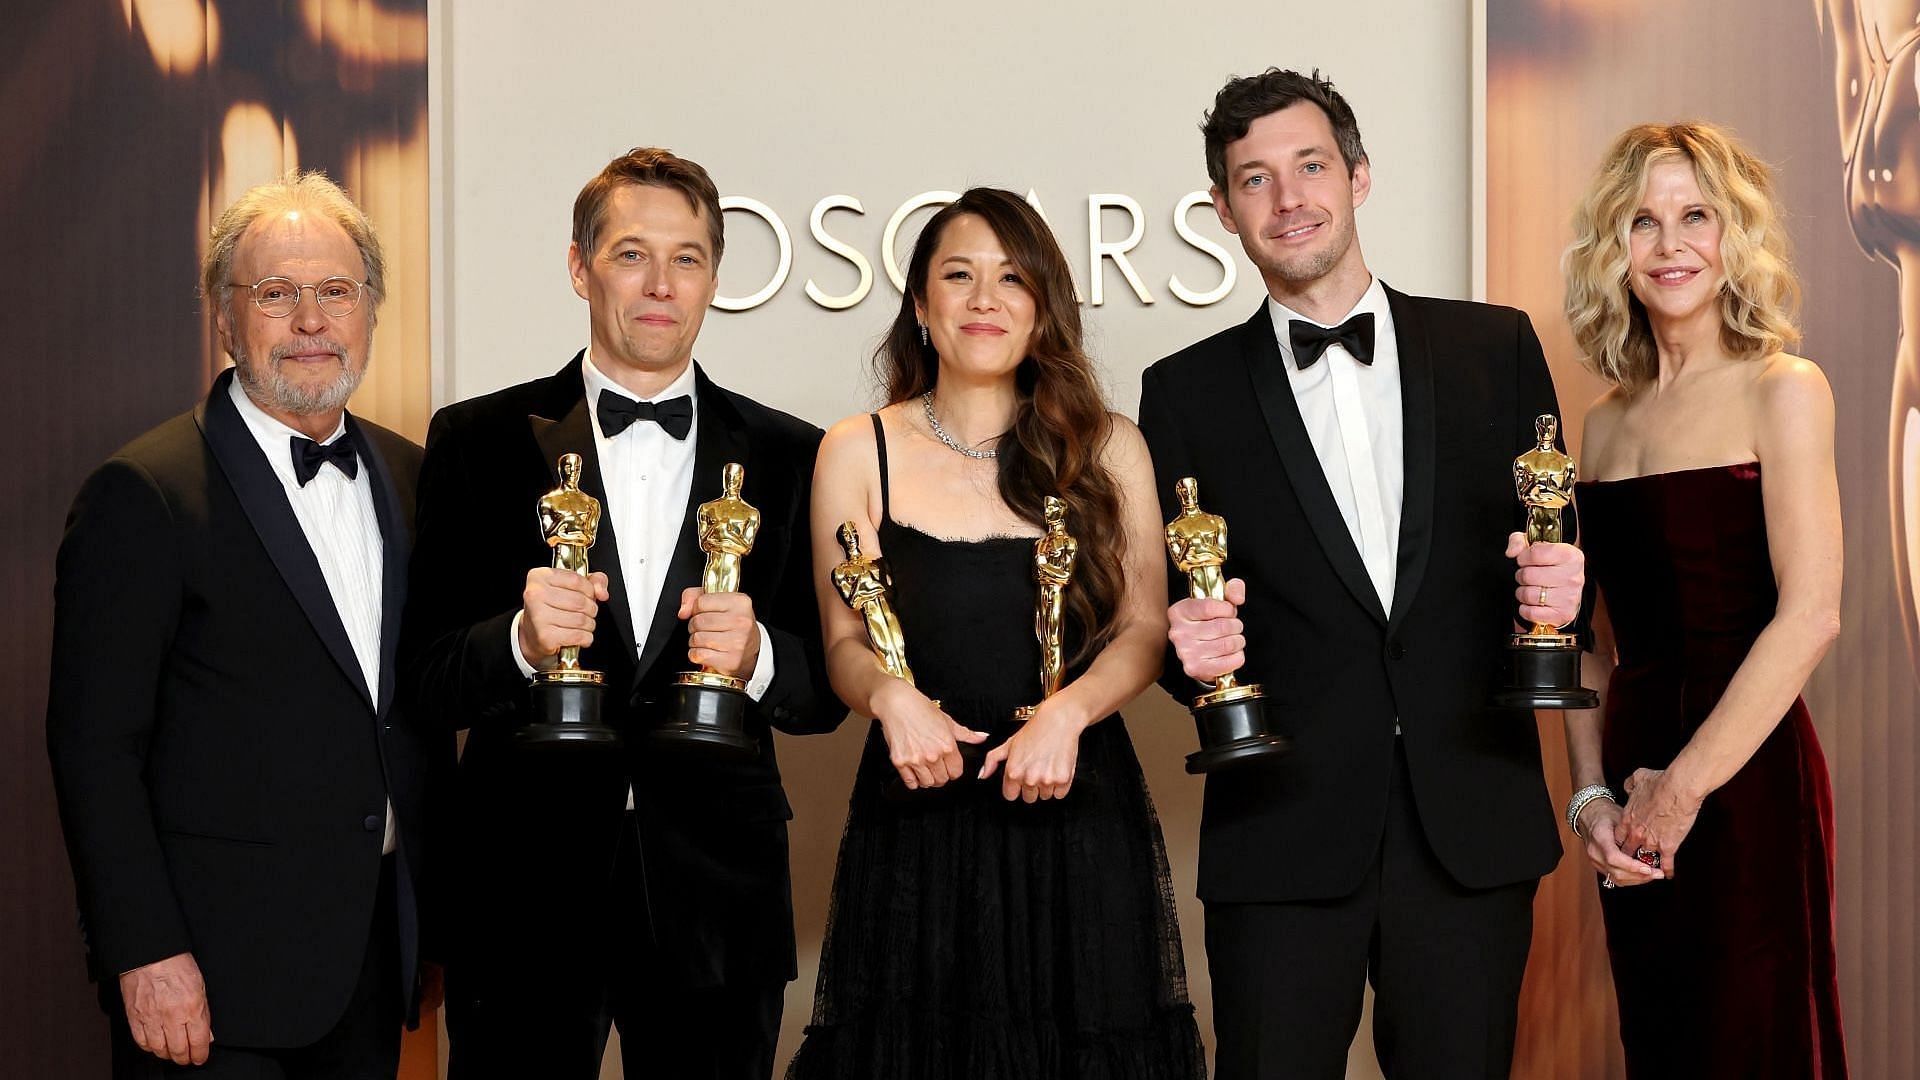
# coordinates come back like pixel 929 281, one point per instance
pixel 243 813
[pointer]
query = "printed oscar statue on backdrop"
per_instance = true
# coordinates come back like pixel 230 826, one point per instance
pixel 1543 664
pixel 566 697
pixel 708 709
pixel 1231 716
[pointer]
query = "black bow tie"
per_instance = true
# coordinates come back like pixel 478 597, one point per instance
pixel 1310 339
pixel 617 413
pixel 308 456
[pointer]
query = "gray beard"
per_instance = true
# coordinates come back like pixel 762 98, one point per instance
pixel 270 386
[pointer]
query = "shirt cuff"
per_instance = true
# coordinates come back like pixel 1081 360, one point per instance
pixel 762 676
pixel 513 645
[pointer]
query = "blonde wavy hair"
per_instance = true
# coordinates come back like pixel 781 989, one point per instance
pixel 1760 295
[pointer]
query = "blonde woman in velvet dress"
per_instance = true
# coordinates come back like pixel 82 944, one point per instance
pixel 1711 522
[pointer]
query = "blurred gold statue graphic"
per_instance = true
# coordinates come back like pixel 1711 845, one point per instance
pixel 1874 43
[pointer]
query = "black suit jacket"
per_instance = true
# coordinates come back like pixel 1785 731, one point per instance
pixel 1338 670
pixel 221 767
pixel 538 832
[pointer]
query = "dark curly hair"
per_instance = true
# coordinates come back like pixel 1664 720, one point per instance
pixel 1250 97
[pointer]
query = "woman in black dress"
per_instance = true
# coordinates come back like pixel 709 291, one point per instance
pixel 1007 914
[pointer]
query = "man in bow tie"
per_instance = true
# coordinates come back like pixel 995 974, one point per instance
pixel 244 814
pixel 641 888
pixel 1361 442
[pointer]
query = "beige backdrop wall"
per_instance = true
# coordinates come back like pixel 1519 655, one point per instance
pixel 787 104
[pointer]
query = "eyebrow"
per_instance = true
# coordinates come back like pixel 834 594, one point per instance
pixel 1304 152
pixel 635 238
pixel 1005 260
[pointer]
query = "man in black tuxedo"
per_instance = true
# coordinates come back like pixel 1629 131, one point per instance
pixel 643 887
pixel 1360 443
pixel 243 814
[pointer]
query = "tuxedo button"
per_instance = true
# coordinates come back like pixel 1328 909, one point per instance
pixel 372 822
pixel 1396 650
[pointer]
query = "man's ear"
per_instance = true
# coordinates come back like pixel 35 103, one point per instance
pixel 577 269
pixel 1222 211
pixel 1362 183
pixel 223 319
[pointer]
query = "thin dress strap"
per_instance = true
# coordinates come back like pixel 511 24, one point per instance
pixel 880 444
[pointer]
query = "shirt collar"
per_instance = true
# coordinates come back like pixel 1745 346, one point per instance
pixel 272 434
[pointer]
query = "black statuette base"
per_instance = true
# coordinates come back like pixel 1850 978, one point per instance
pixel 1544 678
pixel 1234 731
pixel 706 719
pixel 566 714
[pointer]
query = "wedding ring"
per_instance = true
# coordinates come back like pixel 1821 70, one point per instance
pixel 1543 597
pixel 1606 882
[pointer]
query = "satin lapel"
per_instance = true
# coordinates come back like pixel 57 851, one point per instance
pixel 265 502
pixel 718 439
pixel 394 543
pixel 1418 449
pixel 573 434
pixel 1268 371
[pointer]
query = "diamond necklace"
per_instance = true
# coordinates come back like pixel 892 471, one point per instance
pixel 953 444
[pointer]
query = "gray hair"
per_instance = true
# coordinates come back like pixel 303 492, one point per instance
pixel 310 190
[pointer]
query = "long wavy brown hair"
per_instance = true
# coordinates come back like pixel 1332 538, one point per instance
pixel 1060 420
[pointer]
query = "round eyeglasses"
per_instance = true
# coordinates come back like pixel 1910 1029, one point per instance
pixel 277 297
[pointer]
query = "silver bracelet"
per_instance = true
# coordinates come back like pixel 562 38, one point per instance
pixel 1580 800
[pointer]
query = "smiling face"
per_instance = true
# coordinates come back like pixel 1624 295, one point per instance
pixel 978 312
pixel 306 364
pixel 1673 245
pixel 1290 199
pixel 648 283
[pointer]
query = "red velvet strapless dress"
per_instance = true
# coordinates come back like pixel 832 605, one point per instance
pixel 1727 970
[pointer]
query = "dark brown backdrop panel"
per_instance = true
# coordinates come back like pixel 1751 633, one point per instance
pixel 127 122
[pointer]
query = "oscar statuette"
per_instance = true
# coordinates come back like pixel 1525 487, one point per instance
pixel 1053 556
pixel 864 584
pixel 1543 664
pixel 1231 718
pixel 708 708
pixel 566 697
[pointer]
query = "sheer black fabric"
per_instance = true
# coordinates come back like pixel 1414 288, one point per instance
pixel 976 939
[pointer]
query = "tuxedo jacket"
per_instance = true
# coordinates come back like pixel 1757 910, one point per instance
pixel 1338 669
pixel 536 831
pixel 221 766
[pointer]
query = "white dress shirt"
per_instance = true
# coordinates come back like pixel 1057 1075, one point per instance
pixel 648 475
pixel 336 514
pixel 1352 414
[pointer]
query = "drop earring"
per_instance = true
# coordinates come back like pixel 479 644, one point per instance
pixel 923 335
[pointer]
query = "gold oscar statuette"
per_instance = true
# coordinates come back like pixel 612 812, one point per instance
pixel 1053 557
pixel 864 584
pixel 709 707
pixel 1230 716
pixel 566 697
pixel 1543 664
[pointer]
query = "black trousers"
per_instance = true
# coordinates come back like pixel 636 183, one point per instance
pixel 363 1045
pixel 1445 962
pixel 530 1015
